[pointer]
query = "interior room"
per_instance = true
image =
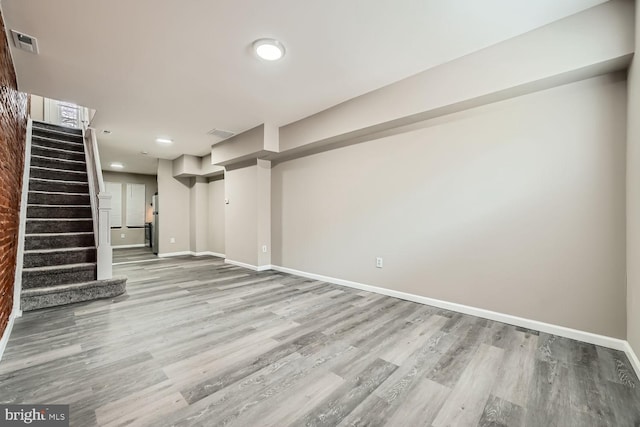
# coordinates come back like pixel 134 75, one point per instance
pixel 378 213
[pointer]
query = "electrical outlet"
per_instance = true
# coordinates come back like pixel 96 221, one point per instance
pixel 172 240
pixel 122 235
pixel 264 248
pixel 379 262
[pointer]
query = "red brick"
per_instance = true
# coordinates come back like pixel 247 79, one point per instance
pixel 13 123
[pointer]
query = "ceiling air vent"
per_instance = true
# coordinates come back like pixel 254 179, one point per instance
pixel 219 133
pixel 25 42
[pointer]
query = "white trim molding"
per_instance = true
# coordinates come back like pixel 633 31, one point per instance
pixel 633 358
pixel 7 331
pixel 205 253
pixel 249 266
pixel 588 337
pixel 208 253
pixel 136 245
pixel 170 254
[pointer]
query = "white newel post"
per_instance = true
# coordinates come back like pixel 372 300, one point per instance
pixel 105 255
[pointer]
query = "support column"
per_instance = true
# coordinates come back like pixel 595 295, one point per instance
pixel 199 211
pixel 248 214
pixel 263 182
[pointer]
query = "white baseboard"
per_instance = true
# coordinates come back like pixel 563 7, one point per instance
pixel 7 332
pixel 170 254
pixel 249 266
pixel 633 358
pixel 205 253
pixel 137 245
pixel 588 337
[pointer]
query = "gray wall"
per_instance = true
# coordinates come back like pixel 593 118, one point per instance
pixel 199 214
pixel 191 211
pixel 633 199
pixel 216 216
pixel 133 236
pixel 174 194
pixel 516 207
pixel 241 215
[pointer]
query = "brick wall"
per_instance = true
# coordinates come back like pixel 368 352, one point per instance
pixel 13 123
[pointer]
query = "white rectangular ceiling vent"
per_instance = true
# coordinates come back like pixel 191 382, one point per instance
pixel 25 42
pixel 219 133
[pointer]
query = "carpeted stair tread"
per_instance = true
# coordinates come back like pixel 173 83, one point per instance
pixel 56 250
pixel 58 234
pixel 46 136
pixel 42 141
pixel 58 211
pixel 38 241
pixel 62 161
pixel 62 206
pixel 59 256
pixel 43 184
pixel 50 296
pixel 47 125
pixel 58 225
pixel 58 268
pixel 58 174
pixel 58 198
pixel 88 284
pixel 58 164
pixel 58 169
pixel 56 153
pixel 53 275
pixel 59 132
pixel 62 130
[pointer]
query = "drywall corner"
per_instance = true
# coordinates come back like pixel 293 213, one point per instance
pixel 633 198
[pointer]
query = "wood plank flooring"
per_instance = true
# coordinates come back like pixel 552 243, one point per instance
pixel 130 255
pixel 195 342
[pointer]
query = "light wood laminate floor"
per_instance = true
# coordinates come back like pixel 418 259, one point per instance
pixel 198 342
pixel 131 255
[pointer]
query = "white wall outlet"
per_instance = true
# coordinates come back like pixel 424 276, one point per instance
pixel 379 262
pixel 264 248
pixel 172 240
pixel 122 235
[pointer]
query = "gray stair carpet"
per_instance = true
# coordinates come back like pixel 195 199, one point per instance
pixel 59 264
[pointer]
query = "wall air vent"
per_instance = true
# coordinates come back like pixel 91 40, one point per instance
pixel 219 133
pixel 25 42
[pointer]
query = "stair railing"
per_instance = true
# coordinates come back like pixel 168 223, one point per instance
pixel 100 205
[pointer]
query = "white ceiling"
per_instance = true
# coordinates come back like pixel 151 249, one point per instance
pixel 178 69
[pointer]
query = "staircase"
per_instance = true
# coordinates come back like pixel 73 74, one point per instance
pixel 59 263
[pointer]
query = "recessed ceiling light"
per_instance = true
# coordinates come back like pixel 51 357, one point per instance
pixel 269 49
pixel 117 165
pixel 144 153
pixel 164 140
pixel 106 131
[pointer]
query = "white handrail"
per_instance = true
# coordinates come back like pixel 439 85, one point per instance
pixel 100 206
